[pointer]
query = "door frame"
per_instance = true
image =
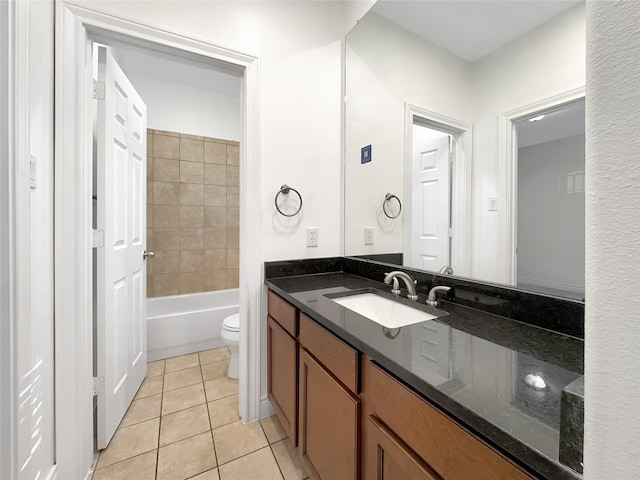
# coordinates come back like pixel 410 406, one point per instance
pixel 73 213
pixel 460 183
pixel 508 176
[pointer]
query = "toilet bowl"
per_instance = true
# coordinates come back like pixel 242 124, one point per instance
pixel 231 336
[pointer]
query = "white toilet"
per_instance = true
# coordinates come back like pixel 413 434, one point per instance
pixel 231 336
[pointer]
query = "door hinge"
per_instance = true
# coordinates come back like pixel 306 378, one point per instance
pixel 98 90
pixel 98 386
pixel 97 238
pixel 451 232
pixel 452 157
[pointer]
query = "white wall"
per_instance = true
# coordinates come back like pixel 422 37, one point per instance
pixel 546 62
pixel 299 47
pixel 551 217
pixel 26 241
pixel 183 95
pixel 179 108
pixel 386 67
pixel 612 328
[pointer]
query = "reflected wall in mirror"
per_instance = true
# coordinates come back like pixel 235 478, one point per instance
pixel 464 81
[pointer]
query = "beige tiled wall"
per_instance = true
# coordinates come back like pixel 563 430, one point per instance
pixel 192 213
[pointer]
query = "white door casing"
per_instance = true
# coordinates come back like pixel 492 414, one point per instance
pixel 121 273
pixel 430 200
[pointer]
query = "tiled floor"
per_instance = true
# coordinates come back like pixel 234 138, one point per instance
pixel 184 424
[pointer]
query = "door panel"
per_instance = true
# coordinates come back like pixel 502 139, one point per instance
pixel 430 198
pixel 121 274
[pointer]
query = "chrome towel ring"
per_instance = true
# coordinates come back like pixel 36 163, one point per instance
pixel 284 190
pixel 387 198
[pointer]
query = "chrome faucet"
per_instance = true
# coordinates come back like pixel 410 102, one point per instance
pixel 432 301
pixel 408 280
pixel 446 270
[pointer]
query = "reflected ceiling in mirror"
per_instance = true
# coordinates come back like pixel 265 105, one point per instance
pixel 459 68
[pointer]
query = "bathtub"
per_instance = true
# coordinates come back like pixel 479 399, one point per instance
pixel 181 324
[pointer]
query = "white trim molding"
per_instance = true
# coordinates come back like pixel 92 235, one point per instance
pixel 73 207
pixel 508 176
pixel 7 242
pixel 461 182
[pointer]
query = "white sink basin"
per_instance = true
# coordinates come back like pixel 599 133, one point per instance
pixel 388 313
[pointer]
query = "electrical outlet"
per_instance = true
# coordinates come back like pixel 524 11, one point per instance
pixel 493 204
pixel 312 237
pixel 368 236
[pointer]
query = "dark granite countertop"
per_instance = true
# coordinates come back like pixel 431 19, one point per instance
pixel 470 364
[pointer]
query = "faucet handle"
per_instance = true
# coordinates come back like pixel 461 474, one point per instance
pixel 396 286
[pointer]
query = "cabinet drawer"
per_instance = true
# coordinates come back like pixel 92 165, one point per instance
pixel 445 446
pixel 339 358
pixel 282 312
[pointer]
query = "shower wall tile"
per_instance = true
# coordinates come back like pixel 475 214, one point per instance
pixel 233 176
pixel 215 152
pixel 166 239
pixel 215 174
pixel 215 280
pixel 233 154
pixel 233 237
pixel 191 239
pixel 166 284
pixel 165 146
pixel 191 260
pixel 215 195
pixel 191 150
pixel 191 194
pixel 215 259
pixel 232 278
pixel 233 216
pixel 166 216
pixel 215 216
pixel 215 237
pixel 166 170
pixel 166 261
pixel 192 213
pixel 191 216
pixel 191 172
pixel 191 282
pixel 233 196
pixel 165 193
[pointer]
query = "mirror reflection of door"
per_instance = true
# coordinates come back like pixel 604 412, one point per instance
pixel 430 191
pixel 551 201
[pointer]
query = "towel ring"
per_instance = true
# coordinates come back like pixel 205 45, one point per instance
pixel 285 189
pixel 387 198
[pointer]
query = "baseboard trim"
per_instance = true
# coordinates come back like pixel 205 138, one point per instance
pixel 266 409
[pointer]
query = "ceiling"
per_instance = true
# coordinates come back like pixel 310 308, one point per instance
pixel 470 29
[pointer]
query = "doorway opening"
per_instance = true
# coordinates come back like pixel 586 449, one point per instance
pixel 437 182
pixel 190 173
pixel 76 30
pixel 550 200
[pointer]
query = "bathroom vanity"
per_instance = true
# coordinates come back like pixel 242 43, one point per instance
pixel 468 394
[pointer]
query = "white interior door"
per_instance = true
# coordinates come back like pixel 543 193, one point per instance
pixel 121 272
pixel 430 199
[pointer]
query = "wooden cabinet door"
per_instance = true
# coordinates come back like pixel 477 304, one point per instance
pixel 329 416
pixel 388 458
pixel 282 376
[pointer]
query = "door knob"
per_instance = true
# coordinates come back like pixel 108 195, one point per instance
pixel 146 254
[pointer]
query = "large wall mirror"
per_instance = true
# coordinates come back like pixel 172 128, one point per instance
pixel 464 141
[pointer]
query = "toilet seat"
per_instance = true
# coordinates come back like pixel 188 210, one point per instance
pixel 232 323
